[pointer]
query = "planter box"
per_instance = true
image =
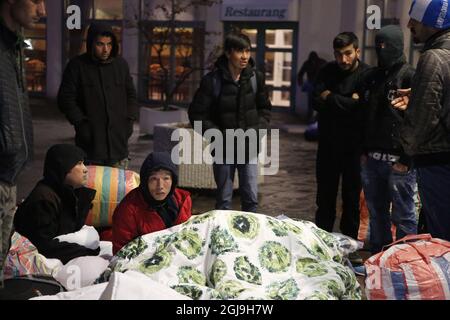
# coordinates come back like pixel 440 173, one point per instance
pixel 196 176
pixel 149 117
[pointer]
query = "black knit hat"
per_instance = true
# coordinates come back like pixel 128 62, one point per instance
pixel 60 160
pixel 154 162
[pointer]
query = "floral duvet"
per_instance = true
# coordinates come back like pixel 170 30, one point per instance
pixel 237 255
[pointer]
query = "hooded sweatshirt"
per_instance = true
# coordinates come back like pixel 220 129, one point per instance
pixel 53 208
pixel 379 85
pixel 99 100
pixel 139 213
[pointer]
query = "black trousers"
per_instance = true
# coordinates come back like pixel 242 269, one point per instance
pixel 334 163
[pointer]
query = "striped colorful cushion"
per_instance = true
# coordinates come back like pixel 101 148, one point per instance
pixel 417 268
pixel 112 185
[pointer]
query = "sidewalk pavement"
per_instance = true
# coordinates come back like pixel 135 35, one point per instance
pixel 290 192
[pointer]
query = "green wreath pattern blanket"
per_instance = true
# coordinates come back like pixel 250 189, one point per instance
pixel 240 255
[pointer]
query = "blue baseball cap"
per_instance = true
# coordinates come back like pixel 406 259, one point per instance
pixel 431 13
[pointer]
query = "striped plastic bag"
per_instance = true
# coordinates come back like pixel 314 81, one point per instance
pixel 416 267
pixel 111 184
pixel 24 259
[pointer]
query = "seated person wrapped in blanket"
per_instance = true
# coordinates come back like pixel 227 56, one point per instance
pixel 237 255
pixel 58 205
pixel 155 205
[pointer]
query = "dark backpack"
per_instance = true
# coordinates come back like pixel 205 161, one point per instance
pixel 30 286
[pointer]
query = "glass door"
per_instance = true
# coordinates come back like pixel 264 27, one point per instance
pixel 273 47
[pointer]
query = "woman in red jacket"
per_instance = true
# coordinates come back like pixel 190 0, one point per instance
pixel 155 205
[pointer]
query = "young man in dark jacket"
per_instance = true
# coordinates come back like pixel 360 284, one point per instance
pixel 58 205
pixel 16 128
pixel 232 97
pixel 97 96
pixel 386 175
pixel 155 205
pixel 340 136
pixel 425 134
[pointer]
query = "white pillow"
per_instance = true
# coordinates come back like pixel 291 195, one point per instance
pixel 106 250
pixel 81 272
pixel 133 285
pixel 87 237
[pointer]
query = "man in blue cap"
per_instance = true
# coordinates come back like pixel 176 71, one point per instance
pixel 425 134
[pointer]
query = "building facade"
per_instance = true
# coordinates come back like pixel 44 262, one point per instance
pixel 283 33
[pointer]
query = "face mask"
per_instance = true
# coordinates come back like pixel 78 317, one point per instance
pixel 387 57
pixel 389 46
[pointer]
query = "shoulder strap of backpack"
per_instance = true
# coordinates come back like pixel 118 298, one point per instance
pixel 254 82
pixel 217 84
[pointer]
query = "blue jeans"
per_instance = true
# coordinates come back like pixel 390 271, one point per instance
pixel 384 187
pixel 434 191
pixel 248 185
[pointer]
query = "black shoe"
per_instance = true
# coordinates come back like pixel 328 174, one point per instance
pixel 355 259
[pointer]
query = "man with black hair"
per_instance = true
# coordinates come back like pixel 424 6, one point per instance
pixel 16 128
pixel 98 97
pixel 340 136
pixel 388 180
pixel 155 205
pixel 233 96
pixel 58 205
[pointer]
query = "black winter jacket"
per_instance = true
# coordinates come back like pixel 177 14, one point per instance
pixel 53 209
pixel 426 130
pixel 99 99
pixel 49 212
pixel 237 106
pixel 381 121
pixel 339 116
pixel 16 128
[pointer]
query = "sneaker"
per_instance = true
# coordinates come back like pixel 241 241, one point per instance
pixel 360 271
pixel 355 259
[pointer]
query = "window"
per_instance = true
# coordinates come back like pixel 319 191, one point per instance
pixel 278 48
pixel 171 60
pixel 36 57
pixel 108 11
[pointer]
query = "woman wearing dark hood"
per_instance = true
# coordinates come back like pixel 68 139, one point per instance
pixel 155 205
pixel 58 205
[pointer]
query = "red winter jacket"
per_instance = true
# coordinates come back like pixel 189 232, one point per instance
pixel 133 217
